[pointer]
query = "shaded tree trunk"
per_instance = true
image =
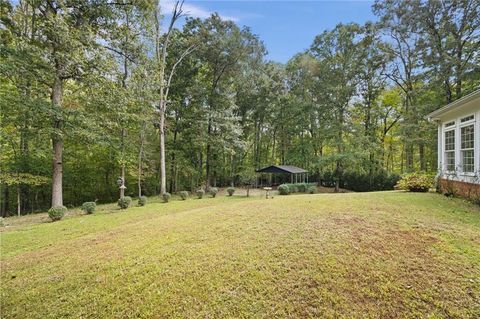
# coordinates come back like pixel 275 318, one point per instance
pixel 57 143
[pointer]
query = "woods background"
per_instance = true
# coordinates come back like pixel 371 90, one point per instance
pixel 88 89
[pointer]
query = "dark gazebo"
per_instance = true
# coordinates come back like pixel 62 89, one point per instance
pixel 297 174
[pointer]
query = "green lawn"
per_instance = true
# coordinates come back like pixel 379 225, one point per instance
pixel 355 255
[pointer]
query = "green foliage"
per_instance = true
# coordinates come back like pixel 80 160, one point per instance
pixel 302 187
pixel 200 193
pixel 299 187
pixel 312 189
pixel 283 189
pixel 2 222
pixel 166 197
pixel 183 195
pixel 23 178
pixel 57 212
pixel 124 202
pixel 213 191
pixel 89 207
pixel 416 182
pixel 230 191
pixel 142 200
pixel 363 182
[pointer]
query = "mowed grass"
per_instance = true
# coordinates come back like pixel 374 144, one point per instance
pixel 355 255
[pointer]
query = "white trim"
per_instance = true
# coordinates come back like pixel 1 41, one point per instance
pixel 449 107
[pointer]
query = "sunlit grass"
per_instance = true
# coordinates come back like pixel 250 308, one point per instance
pixel 378 255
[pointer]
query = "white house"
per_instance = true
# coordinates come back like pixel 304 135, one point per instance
pixel 459 141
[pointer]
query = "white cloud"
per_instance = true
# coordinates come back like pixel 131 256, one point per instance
pixel 192 11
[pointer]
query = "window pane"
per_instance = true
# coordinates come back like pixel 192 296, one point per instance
pixel 468 161
pixel 467 137
pixel 450 140
pixel 450 161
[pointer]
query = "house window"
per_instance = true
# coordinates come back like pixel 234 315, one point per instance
pixel 467 118
pixel 450 150
pixel 450 124
pixel 467 142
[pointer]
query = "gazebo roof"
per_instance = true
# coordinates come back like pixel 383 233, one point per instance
pixel 278 169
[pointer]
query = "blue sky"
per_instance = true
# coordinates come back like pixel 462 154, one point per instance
pixel 286 27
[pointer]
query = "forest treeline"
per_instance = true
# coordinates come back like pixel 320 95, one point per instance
pixel 91 91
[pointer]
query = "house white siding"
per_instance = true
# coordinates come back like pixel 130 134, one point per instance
pixel 457 142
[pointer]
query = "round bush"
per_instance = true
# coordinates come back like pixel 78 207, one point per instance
pixel 200 193
pixel 124 202
pixel 57 212
pixel 416 182
pixel 293 188
pixel 283 189
pixel 183 195
pixel 311 190
pixel 230 191
pixel 89 207
pixel 166 197
pixel 142 201
pixel 213 191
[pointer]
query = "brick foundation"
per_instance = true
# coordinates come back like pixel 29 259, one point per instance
pixel 462 189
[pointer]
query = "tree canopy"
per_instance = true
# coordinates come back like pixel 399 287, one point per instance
pixel 91 91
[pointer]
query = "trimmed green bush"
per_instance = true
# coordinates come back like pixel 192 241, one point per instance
pixel 57 212
pixel 183 195
pixel 200 193
pixel 166 197
pixel 299 187
pixel 302 187
pixel 312 189
pixel 124 202
pixel 416 182
pixel 213 191
pixel 230 191
pixel 142 201
pixel 283 189
pixel 89 207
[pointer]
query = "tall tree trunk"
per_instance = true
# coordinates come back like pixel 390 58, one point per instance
pixel 57 143
pixel 163 176
pixel 208 161
pixel 122 169
pixel 19 202
pixel 140 158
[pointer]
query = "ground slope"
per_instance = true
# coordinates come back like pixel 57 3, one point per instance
pixel 370 255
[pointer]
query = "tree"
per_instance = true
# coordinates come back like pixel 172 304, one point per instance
pixel 162 43
pixel 338 53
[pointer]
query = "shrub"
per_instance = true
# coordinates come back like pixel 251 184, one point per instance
pixel 312 189
pixel 183 195
pixel 89 207
pixel 283 189
pixel 293 188
pixel 57 212
pixel 124 202
pixel 230 191
pixel 142 201
pixel 2 223
pixel 213 191
pixel 416 182
pixel 166 197
pixel 302 187
pixel 364 182
pixel 200 193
